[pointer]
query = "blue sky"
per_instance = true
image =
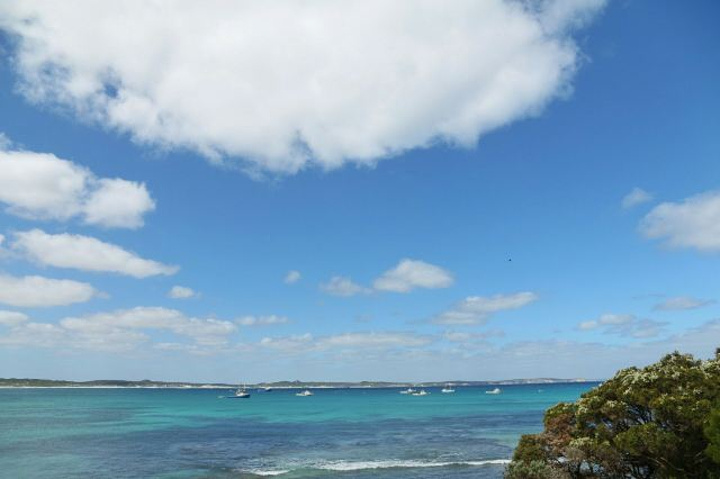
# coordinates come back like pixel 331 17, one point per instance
pixel 512 214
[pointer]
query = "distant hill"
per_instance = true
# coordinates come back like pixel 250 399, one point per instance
pixel 146 383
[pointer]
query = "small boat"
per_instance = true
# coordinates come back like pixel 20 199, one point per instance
pixel 421 392
pixel 267 389
pixel 448 389
pixel 408 391
pixel 494 391
pixel 241 393
pixel 304 393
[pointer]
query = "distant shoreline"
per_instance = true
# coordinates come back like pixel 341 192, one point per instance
pixel 146 384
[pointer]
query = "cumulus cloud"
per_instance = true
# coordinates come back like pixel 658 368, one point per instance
pixel 353 81
pixel 636 197
pixel 181 292
pixel 292 277
pixel 478 309
pixel 627 325
pixel 410 274
pixel 680 303
pixel 41 292
pixel 261 320
pixel 691 223
pixel 407 275
pixel 342 286
pixel 85 253
pixel 43 186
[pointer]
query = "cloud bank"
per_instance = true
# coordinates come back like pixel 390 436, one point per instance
pixel 355 81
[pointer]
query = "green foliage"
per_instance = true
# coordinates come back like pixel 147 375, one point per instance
pixel 712 434
pixel 531 448
pixel 533 470
pixel 654 422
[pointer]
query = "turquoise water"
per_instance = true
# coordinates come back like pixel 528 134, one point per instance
pixel 346 433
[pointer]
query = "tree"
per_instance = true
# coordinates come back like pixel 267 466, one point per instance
pixel 712 433
pixel 654 422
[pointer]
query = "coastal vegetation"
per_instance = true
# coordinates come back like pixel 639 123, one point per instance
pixel 661 421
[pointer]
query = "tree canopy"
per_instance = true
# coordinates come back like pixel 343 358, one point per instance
pixel 661 421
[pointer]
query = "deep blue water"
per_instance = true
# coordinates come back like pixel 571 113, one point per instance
pixel 346 433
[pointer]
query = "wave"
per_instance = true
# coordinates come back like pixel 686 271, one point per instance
pixel 345 466
pixel 267 472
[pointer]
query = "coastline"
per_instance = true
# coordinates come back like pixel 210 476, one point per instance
pixel 302 385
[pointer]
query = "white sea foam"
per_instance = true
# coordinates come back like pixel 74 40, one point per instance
pixel 392 464
pixel 267 472
pixel 344 466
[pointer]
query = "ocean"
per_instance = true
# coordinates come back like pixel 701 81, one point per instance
pixel 194 433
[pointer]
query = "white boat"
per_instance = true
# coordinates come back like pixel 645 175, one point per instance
pixel 494 391
pixel 304 393
pixel 421 392
pixel 448 389
pixel 408 391
pixel 241 393
pixel 267 389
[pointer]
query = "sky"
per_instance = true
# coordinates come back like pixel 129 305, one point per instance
pixel 357 191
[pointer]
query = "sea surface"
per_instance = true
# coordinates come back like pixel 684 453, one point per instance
pixel 193 433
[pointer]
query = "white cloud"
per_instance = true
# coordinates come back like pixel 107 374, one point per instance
pixel 5 142
pixel 86 254
pixel 120 331
pixel 288 344
pixel 307 343
pixel 478 309
pixel 615 319
pixel 471 338
pixel 353 81
pixel 118 203
pixel 407 275
pixel 691 223
pixel 588 325
pixel 181 292
pixel 40 292
pixel 292 277
pixel 12 318
pixel 380 340
pixel 43 186
pixel 636 197
pixel 152 318
pixel 626 325
pixel 411 274
pixel 342 286
pixel 645 328
pixel 680 303
pixel 261 320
